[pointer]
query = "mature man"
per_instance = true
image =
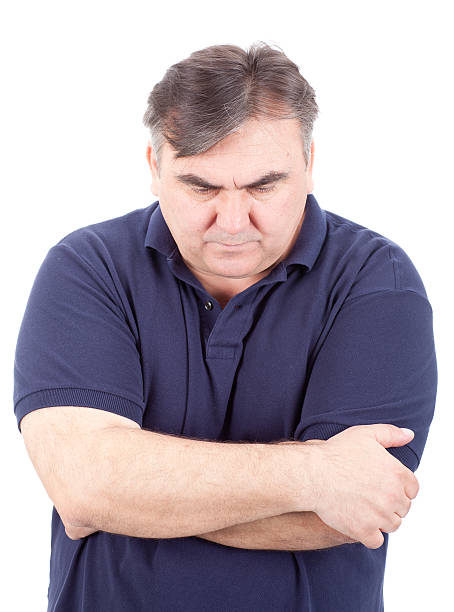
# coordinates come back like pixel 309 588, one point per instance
pixel 212 388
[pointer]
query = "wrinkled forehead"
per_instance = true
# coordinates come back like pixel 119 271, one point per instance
pixel 255 148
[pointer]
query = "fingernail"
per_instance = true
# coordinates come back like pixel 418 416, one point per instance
pixel 407 432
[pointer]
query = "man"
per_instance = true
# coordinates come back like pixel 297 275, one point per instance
pixel 213 389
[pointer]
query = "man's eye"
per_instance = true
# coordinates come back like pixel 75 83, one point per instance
pixel 202 189
pixel 264 189
pixel 208 189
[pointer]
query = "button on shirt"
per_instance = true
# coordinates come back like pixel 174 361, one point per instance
pixel 338 334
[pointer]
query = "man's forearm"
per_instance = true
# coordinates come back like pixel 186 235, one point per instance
pixel 144 484
pixel 290 531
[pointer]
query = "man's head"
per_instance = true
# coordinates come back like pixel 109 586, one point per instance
pixel 231 159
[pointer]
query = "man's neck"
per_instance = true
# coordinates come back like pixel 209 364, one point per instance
pixel 224 289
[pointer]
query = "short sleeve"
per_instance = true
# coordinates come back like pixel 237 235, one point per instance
pixel 376 365
pixel 75 346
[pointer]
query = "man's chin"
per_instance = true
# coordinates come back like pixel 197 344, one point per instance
pixel 237 271
pixel 233 274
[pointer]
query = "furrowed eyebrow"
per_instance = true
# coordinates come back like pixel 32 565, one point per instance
pixel 270 177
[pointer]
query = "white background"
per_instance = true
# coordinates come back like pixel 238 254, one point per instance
pixel 75 79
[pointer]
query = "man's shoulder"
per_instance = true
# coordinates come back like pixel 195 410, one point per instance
pixel 116 238
pixel 375 261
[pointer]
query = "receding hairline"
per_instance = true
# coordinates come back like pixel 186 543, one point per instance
pixel 228 85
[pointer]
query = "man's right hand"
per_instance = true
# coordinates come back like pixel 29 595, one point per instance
pixel 361 489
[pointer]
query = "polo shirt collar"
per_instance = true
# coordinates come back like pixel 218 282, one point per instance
pixel 311 237
pixel 305 250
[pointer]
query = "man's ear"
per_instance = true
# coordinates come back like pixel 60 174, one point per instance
pixel 151 158
pixel 310 182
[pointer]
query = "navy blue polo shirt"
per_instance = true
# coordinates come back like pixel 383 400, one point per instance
pixel 340 333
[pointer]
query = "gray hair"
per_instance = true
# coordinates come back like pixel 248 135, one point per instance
pixel 207 96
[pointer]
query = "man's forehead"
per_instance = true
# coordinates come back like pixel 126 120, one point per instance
pixel 262 143
pixel 220 167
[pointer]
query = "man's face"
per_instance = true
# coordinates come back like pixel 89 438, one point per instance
pixel 262 221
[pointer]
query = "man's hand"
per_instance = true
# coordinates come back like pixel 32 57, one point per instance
pixel 362 490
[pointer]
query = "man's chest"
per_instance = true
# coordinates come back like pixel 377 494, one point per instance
pixel 238 373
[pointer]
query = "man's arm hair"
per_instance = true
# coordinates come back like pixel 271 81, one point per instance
pixel 290 531
pixel 103 471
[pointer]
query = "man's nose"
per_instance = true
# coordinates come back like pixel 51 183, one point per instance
pixel 233 212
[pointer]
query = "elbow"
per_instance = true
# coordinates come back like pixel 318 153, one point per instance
pixel 75 524
pixel 73 513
